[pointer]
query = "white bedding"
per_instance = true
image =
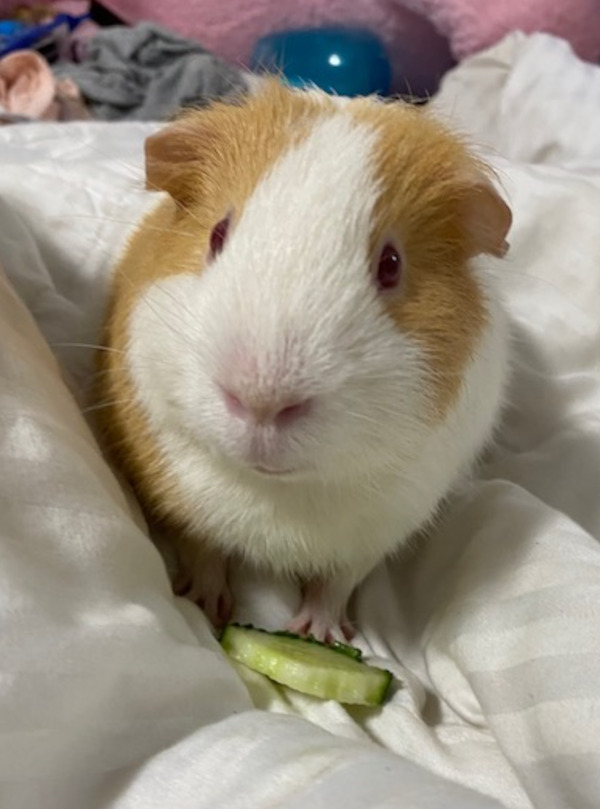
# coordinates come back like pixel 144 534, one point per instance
pixel 114 694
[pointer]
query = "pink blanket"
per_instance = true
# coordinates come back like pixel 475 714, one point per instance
pixel 422 36
pixel 411 29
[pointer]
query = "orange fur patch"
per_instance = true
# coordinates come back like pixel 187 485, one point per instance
pixel 428 181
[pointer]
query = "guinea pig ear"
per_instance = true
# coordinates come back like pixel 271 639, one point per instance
pixel 487 217
pixel 170 154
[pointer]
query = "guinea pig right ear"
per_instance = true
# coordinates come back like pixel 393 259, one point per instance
pixel 171 155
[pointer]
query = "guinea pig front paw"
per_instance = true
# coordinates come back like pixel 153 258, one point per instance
pixel 319 628
pixel 323 614
pixel 202 578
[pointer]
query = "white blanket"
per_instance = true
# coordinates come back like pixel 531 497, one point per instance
pixel 113 693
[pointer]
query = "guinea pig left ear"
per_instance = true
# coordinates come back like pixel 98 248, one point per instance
pixel 170 154
pixel 487 217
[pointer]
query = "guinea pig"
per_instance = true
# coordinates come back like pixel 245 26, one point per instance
pixel 306 349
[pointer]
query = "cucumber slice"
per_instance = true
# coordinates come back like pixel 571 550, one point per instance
pixel 337 645
pixel 306 665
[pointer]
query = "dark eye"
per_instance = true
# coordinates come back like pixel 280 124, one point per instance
pixel 389 268
pixel 218 236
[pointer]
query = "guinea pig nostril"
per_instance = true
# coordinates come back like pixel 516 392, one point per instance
pixel 292 412
pixel 233 404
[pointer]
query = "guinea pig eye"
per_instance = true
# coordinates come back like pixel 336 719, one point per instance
pixel 218 236
pixel 389 267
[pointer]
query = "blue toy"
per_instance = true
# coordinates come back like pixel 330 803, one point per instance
pixel 344 61
pixel 17 36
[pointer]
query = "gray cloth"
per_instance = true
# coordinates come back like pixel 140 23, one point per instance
pixel 146 73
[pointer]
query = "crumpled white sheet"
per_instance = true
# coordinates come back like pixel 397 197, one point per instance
pixel 114 694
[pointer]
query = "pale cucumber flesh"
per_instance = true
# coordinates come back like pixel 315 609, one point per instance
pixel 308 666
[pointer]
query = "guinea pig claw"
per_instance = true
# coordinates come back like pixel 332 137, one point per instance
pixel 300 625
pixel 323 611
pixel 348 631
pixel 323 628
pixel 225 606
pixel 202 578
pixel 217 606
pixel 181 583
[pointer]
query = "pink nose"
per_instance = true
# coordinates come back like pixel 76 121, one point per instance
pixel 265 412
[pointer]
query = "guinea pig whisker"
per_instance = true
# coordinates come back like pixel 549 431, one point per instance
pixel 361 417
pixel 104 405
pixel 91 346
pixel 177 332
pixel 101 373
pixel 105 251
pixel 108 349
pixel 133 224
pixel 138 175
pixel 135 171
pixel 111 259
pixel 96 374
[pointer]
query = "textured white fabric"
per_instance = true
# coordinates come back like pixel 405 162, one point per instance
pixel 114 694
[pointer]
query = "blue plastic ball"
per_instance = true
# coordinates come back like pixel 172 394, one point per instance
pixel 345 61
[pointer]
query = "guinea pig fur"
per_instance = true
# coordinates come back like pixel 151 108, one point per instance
pixel 308 346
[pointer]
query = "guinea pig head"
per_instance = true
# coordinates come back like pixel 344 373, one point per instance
pixel 312 307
